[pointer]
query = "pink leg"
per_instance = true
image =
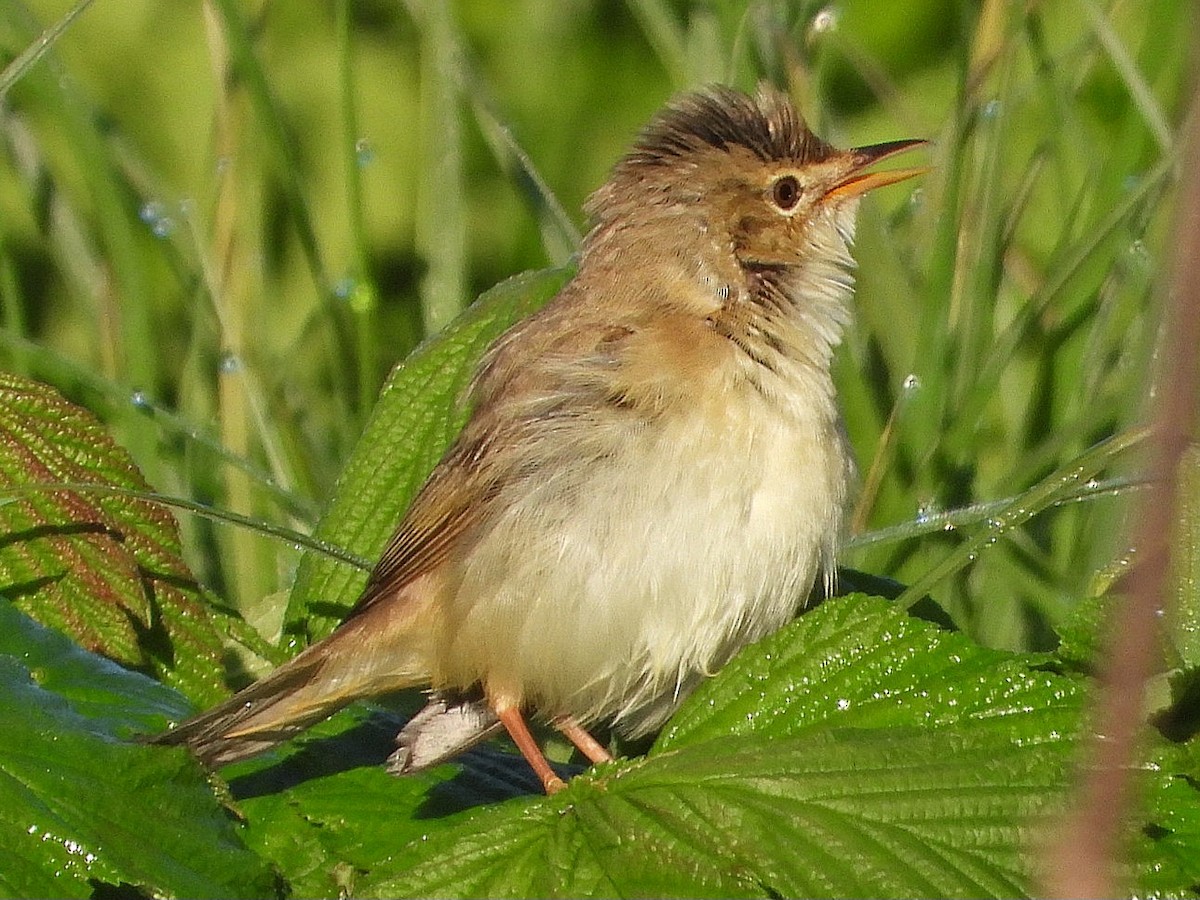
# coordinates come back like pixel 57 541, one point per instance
pixel 511 718
pixel 577 735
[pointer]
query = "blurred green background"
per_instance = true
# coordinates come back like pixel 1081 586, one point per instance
pixel 222 223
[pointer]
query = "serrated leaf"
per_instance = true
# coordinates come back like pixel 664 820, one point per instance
pixel 313 807
pixel 860 662
pixel 415 419
pixel 892 812
pixel 1081 637
pixel 857 753
pixel 80 806
pixel 1165 860
pixel 105 569
pixel 96 688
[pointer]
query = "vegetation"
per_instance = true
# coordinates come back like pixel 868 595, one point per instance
pixel 222 225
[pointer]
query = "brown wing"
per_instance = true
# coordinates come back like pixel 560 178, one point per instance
pixel 450 502
pixel 520 386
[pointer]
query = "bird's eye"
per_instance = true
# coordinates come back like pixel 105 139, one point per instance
pixel 786 193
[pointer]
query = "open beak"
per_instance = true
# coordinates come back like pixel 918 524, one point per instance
pixel 858 182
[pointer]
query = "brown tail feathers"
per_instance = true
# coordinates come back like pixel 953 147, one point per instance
pixel 327 676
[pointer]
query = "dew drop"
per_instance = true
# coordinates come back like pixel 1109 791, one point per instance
pixel 364 153
pixel 155 214
pixel 151 210
pixel 1139 257
pixel 825 21
pixel 992 108
pixel 230 363
pixel 139 400
pixel 911 383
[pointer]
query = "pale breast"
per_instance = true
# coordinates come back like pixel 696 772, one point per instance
pixel 619 577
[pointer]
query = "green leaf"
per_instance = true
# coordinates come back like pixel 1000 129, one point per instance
pixel 1082 636
pixel 102 566
pixel 883 813
pixel 313 806
pixel 123 703
pixel 416 418
pixel 1168 860
pixel 856 753
pixel 316 813
pixel 859 752
pixel 860 662
pixel 1164 854
pixel 80 806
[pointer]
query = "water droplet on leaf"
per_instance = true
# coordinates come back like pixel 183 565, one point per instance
pixel 364 153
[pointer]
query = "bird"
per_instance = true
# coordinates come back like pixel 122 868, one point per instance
pixel 653 473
